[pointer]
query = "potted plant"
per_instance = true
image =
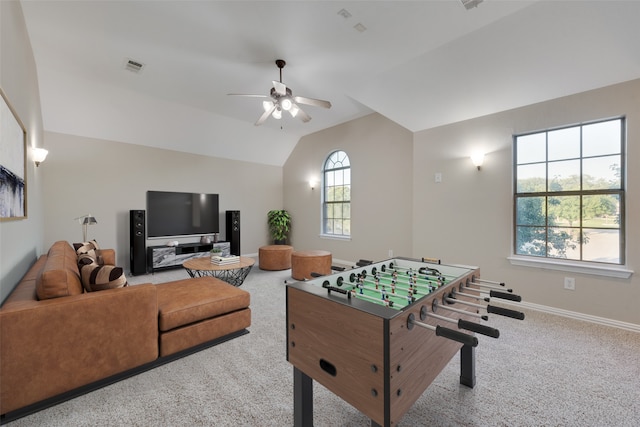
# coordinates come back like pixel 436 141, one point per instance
pixel 216 252
pixel 279 225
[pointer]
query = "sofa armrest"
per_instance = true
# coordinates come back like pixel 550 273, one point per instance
pixel 108 256
pixel 61 344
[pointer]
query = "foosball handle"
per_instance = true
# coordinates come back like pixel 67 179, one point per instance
pixel 505 312
pixel 461 337
pixel 504 295
pixel 476 327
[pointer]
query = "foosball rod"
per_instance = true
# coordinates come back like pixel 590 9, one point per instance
pixel 441 331
pixel 404 282
pixel 423 279
pixel 389 294
pixel 490 308
pixel 465 324
pixel 433 283
pixel 382 284
pixel 468 313
pixel 492 294
pixel 488 286
pixel 417 270
pixel 490 281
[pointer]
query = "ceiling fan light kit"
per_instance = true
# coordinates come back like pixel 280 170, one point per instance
pixel 281 98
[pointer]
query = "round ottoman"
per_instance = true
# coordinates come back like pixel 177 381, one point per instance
pixel 275 257
pixel 303 263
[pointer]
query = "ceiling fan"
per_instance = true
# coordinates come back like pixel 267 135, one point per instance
pixel 281 98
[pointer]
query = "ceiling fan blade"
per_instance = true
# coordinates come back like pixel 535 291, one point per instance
pixel 311 101
pixel 265 115
pixel 281 88
pixel 249 95
pixel 298 112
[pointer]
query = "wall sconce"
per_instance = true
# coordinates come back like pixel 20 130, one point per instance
pixel 85 220
pixel 477 159
pixel 39 154
pixel 312 184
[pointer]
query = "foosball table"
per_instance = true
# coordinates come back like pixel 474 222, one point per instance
pixel 375 335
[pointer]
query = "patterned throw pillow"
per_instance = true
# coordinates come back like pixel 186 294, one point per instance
pixel 100 277
pixel 90 249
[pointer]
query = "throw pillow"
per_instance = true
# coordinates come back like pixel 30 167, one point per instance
pixel 100 277
pixel 91 249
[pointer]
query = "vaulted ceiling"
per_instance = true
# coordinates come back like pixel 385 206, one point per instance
pixel 419 63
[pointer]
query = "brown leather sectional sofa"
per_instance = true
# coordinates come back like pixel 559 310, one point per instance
pixel 57 348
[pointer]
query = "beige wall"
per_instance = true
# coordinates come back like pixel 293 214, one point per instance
pixel 107 179
pixel 20 240
pixel 381 174
pixel 468 217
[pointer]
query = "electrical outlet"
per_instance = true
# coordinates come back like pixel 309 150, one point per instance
pixel 570 283
pixel 438 177
pixel 390 253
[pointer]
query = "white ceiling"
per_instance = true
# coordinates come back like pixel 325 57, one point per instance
pixel 419 63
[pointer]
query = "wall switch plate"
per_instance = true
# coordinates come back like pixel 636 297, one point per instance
pixel 438 177
pixel 570 283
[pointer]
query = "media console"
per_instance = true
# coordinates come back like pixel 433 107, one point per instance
pixel 164 257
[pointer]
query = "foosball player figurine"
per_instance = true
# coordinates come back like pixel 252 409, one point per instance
pixel 377 281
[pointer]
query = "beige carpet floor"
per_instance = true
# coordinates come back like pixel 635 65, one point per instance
pixel 544 371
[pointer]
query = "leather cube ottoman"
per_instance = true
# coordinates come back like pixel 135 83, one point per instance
pixel 194 311
pixel 275 257
pixel 303 263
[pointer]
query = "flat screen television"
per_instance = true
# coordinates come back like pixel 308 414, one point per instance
pixel 181 214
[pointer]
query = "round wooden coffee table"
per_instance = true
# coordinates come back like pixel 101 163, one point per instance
pixel 231 273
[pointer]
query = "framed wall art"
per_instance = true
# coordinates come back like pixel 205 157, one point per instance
pixel 13 163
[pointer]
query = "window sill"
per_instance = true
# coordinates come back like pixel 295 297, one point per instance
pixel 618 272
pixel 334 237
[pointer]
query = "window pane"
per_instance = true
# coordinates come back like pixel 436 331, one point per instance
pixel 346 210
pixel 601 245
pixel 531 241
pixel 337 210
pixel 328 226
pixel 531 178
pixel 339 176
pixel 347 193
pixel 564 210
pixel 346 227
pixel 601 211
pixel 329 179
pixel 600 173
pixel 531 148
pixel 328 210
pixel 601 138
pixel 337 226
pixel 564 176
pixel 564 243
pixel 531 211
pixel 330 194
pixel 347 176
pixel 564 143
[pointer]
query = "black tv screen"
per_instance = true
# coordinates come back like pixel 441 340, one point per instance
pixel 181 214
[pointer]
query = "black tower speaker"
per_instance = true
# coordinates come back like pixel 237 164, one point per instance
pixel 233 231
pixel 138 238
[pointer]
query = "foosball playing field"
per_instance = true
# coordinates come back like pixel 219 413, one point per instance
pixel 377 335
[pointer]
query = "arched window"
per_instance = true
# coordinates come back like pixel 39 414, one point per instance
pixel 336 195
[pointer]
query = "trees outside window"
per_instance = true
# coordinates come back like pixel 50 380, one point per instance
pixel 569 192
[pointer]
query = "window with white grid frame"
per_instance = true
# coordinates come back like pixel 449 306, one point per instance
pixel 570 193
pixel 336 195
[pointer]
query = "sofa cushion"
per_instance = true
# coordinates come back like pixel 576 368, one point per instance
pixel 183 302
pixel 60 276
pixel 100 277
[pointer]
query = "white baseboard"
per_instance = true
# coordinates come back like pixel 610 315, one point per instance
pixel 578 316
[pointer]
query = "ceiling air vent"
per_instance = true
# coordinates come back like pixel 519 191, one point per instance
pixel 469 4
pixel 133 65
